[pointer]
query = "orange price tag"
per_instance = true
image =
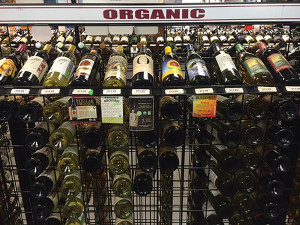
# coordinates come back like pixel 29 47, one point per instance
pixel 205 106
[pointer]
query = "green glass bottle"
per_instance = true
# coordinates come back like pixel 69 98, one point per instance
pixel 119 162
pixel 172 133
pixel 57 111
pixel 251 133
pixel 142 182
pixel 246 181
pixel 123 207
pixel 117 136
pixel 170 108
pixel 128 221
pixel 62 137
pixel 229 109
pixel 69 161
pixel 122 185
pixel 168 158
pixel 243 202
pixel 147 159
pixel 249 157
pixel 73 207
pixel 71 185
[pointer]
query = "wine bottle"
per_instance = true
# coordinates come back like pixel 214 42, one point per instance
pixel 39 136
pixel 281 108
pixel 87 73
pixel 83 48
pixel 251 133
pixel 168 158
pixel 89 39
pixel 119 162
pixel 221 155
pixel 277 64
pixel 229 109
pixel 255 107
pixel 282 137
pixel 62 137
pixel 249 157
pixel 196 70
pixel 143 74
pixel 106 52
pixel 74 206
pixel 44 183
pixel 44 207
pixel 148 139
pixel 224 67
pixel 172 133
pixel 69 161
pixel 122 185
pixel 35 68
pixel 147 159
pixel 32 111
pixel 171 70
pixel 9 107
pixel 170 108
pixel 213 219
pixel 238 219
pixel 123 207
pixel 71 185
pixel 246 181
pixel 226 134
pixel 57 111
pixel 243 202
pixel 116 71
pixel 40 160
pixel 128 221
pixel 62 69
pixel 117 136
pixel 278 162
pixel 92 136
pixel 252 68
pixel 54 218
pixel 142 184
pixel 10 65
pixel 271 209
pixel 92 160
pixel 77 221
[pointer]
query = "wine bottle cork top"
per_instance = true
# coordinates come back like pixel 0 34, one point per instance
pixel 139 45
pixel 168 50
pixel 93 51
pixel 120 48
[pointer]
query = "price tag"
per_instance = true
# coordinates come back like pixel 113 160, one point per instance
pixel 174 92
pixel 161 45
pixel 152 45
pixel 266 89
pixel 111 91
pixel 234 90
pixel 82 92
pixel 200 91
pixel 205 106
pixel 140 91
pixel 20 91
pixel 50 91
pixel 293 88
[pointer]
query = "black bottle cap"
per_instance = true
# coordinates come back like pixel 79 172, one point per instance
pixel 231 139
pixel 92 139
pixel 143 184
pixel 28 114
pixel 284 138
pixel 148 139
pixel 281 165
pixel 34 167
pixel 168 161
pixel 91 164
pixel 175 138
pixel 35 141
pixel 229 188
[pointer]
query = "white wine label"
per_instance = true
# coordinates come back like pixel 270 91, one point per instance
pixel 85 68
pixel 124 39
pixel 205 38
pixel 111 91
pixel 54 198
pixel 199 91
pixel 98 39
pixel 208 209
pixel 214 38
pixel 112 109
pixel 50 91
pixel 89 38
pixel 63 65
pixel 140 91
pixel 249 38
pixel 177 39
pixel 169 39
pixel 224 61
pixel 61 39
pixel 69 127
pixel 285 37
pixel 292 88
pixel 223 38
pixel 81 91
pixel 142 64
pixel 47 152
pixel 20 91
pixel 259 38
pixel 234 90
pixel 174 91
pixel 51 174
pixel 41 100
pixel 160 39
pixel 37 66
pixel 266 89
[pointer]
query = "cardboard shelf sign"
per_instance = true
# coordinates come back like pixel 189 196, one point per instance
pixel 205 106
pixel 82 110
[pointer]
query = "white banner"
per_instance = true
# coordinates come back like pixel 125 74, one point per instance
pixel 149 14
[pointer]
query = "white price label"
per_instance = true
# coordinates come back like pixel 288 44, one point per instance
pixel 50 91
pixel 140 91
pixel 81 91
pixel 174 92
pixel 234 90
pixel 152 45
pixel 266 89
pixel 200 91
pixel 20 91
pixel 293 88
pixel 111 91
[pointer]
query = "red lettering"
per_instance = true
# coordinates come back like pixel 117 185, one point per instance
pixel 126 14
pixel 142 14
pixel 171 13
pixel 157 14
pixel 185 13
pixel 197 13
pixel 110 14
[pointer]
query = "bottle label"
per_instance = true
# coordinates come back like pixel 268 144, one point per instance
pixel 254 66
pixel 196 67
pixel 98 39
pixel 68 126
pixel 71 149
pixel 116 39
pixel 85 68
pixel 143 63
pixel 225 61
pixel 89 39
pixel 63 65
pixel 171 66
pixel 169 39
pixel 259 38
pixel 53 175
pixel 214 38
pixel 54 198
pixel 285 37
pixel 61 39
pixel 69 39
pixel 160 39
pixel 124 39
pixel 205 38
pixel 222 38
pixel 210 173
pixel 268 37
pixel 116 67
pixel 186 38
pixel 37 66
pixel 41 101
pixel 177 39
pixel 7 68
pixel 249 38
pixel 64 100
pixel 278 62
